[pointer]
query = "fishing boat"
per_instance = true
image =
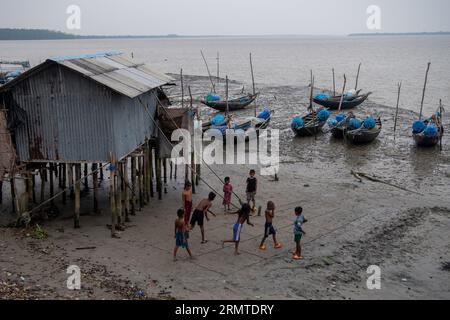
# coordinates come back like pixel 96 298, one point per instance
pixel 233 104
pixel 363 134
pixel 431 133
pixel 243 126
pixel 310 124
pixel 349 101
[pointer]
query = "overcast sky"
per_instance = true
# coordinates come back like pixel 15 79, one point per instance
pixel 226 17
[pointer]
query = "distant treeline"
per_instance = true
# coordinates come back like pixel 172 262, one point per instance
pixel 440 33
pixel 44 34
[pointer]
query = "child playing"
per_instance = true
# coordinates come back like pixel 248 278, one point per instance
pixel 181 235
pixel 251 189
pixel 201 212
pixel 298 232
pixel 227 192
pixel 243 216
pixel 268 227
pixel 187 201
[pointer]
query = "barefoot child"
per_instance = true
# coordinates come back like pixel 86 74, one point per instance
pixel 268 227
pixel 243 216
pixel 251 189
pixel 227 192
pixel 200 212
pixel 187 201
pixel 298 232
pixel 181 233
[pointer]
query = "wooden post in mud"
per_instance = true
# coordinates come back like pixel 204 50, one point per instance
pixel 86 185
pixel 441 111
pixel 76 217
pixel 126 179
pixel 63 183
pixel 1 191
pixel 70 180
pixel 396 109
pixel 253 79
pixel 42 173
pixel 334 84
pixel 101 171
pixel 140 181
pixel 14 198
pixel 171 169
pixel 59 169
pixel 343 91
pixel 148 171
pixel 150 162
pixel 310 108
pixel 95 186
pixel 164 162
pixel 158 172
pixel 133 185
pixel 113 195
pixel 29 188
pixel 424 90
pixel 182 88
pixel 52 187
pixel 357 77
pixel 209 73
pixel 119 175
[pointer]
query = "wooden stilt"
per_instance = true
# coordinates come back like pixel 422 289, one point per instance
pixel 141 182
pixel 70 180
pixel 24 197
pixel 13 194
pixel 120 219
pixel 95 186
pixel 76 217
pixel 193 171
pixel 158 173
pixel 52 187
pixel 43 174
pixel 133 185
pixel 29 189
pixel 101 171
pixel 59 168
pixel 150 160
pixel 33 188
pixel 86 184
pixel 1 191
pixel 171 169
pixel 64 182
pixel 112 197
pixel 127 190
pixel 165 174
pixel 175 173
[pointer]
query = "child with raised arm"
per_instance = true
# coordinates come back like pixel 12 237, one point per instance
pixel 243 216
pixel 268 227
pixel 201 212
pixel 181 233
pixel 298 232
pixel 227 192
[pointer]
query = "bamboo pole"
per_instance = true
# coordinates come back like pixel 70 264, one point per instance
pixel 151 170
pixel 209 73
pixel 334 84
pixel 133 185
pixel 424 90
pixel 253 80
pixel 64 182
pixel 70 176
pixel 140 182
pixel 311 93
pixel 218 70
pixel 86 184
pixel 193 171
pixel 357 77
pixel 343 92
pixel 1 191
pixel 112 196
pixel 120 219
pixel 95 186
pixel 127 190
pixel 182 88
pixel 76 217
pixel 396 109
pixel 158 172
pixel 164 161
pixel 52 187
pixel 33 186
pixel 148 173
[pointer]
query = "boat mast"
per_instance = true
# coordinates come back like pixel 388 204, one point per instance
pixel 343 92
pixel 424 89
pixel 396 109
pixel 253 79
pixel 209 73
pixel 357 77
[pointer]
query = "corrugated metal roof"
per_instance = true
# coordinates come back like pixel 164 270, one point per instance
pixel 109 69
pixel 117 73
